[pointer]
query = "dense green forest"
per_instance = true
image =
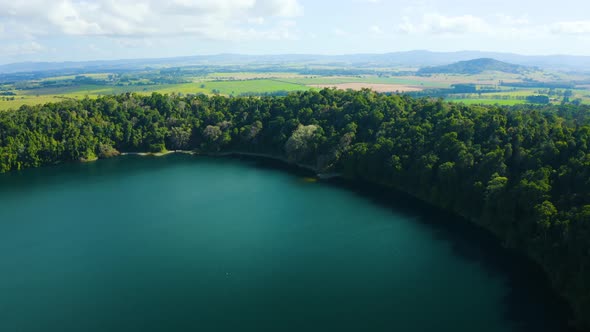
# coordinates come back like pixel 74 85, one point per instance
pixel 521 172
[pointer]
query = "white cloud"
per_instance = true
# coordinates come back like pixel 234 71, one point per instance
pixel 513 21
pixel 339 32
pixel 134 42
pixel 282 30
pixel 500 26
pixel 571 28
pixel 256 20
pixel 375 29
pixel 142 18
pixel 439 24
pixel 21 49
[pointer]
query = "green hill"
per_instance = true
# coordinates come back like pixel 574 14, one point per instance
pixel 476 66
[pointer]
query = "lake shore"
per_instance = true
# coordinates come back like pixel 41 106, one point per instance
pixel 318 172
pixel 157 154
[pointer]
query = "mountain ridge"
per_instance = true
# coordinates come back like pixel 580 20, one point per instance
pixel 416 58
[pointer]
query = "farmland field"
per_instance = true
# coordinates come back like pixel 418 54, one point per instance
pixel 228 87
pixel 379 87
pixel 28 100
pixel 509 102
pixel 489 85
pixel 410 80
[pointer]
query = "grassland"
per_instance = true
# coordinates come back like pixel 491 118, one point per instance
pixel 248 86
pixel 227 87
pixel 29 100
pixel 401 80
pixel 508 102
pixel 70 77
pixel 251 75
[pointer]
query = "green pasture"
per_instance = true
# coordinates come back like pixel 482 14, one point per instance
pixel 230 87
pixel 28 100
pixel 508 102
pixel 326 80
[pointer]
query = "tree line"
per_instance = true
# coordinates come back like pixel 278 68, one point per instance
pixel 521 172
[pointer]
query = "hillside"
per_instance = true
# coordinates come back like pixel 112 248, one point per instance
pixel 476 66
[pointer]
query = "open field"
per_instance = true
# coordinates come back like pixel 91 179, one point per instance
pixel 227 87
pixel 70 77
pixel 373 86
pixel 252 86
pixel 509 102
pixel 401 80
pixel 431 81
pixel 251 75
pixel 28 100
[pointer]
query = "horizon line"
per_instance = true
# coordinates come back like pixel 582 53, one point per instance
pixel 290 54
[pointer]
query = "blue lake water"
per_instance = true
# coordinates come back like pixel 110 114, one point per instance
pixel 180 243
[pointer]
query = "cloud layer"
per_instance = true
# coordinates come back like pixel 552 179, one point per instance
pixel 572 28
pixel 52 30
pixel 216 19
pixel 437 24
pixel 440 24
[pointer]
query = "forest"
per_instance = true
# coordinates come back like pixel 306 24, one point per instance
pixel 522 172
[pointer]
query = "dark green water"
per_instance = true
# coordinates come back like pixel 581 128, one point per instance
pixel 196 244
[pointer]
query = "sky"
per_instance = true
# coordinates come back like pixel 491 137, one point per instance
pixel 77 30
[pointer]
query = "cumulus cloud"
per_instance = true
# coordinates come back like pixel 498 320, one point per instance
pixel 339 32
pixel 571 28
pixel 502 26
pixel 513 21
pixel 134 42
pixel 375 29
pixel 141 18
pixel 21 49
pixel 440 24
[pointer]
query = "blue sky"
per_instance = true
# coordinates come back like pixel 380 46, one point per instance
pixel 62 30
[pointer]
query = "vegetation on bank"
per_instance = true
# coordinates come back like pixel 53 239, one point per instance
pixel 521 172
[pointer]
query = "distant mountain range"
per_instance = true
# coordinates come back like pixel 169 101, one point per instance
pixel 415 59
pixel 476 66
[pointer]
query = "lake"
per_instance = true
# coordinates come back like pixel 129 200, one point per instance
pixel 183 243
